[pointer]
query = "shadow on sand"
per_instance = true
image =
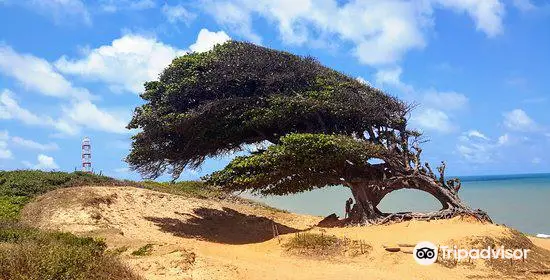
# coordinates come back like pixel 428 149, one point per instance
pixel 222 226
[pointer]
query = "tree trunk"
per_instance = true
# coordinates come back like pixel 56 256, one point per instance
pixel 367 197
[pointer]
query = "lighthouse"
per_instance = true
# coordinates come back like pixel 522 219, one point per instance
pixel 86 155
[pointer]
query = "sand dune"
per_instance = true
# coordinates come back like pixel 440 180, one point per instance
pixel 205 239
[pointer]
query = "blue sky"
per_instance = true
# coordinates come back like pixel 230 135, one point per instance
pixel 478 70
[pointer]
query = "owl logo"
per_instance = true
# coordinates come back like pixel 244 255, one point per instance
pixel 425 253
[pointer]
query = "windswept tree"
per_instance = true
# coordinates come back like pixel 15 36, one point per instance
pixel 323 128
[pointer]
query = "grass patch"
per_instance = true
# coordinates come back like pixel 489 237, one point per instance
pixel 186 188
pixel 145 250
pixel 322 245
pixel 10 206
pixel 35 182
pixel 20 186
pixel 202 190
pixel 27 253
pixel 311 241
pixel 119 250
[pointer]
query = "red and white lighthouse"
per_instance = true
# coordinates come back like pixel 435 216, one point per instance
pixel 86 155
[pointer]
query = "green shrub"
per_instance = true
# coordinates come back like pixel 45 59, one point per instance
pixel 35 182
pixel 143 250
pixel 10 206
pixel 18 187
pixel 27 253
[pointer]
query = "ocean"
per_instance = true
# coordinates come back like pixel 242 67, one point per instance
pixel 518 201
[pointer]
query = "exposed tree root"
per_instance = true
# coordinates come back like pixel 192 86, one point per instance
pixel 388 218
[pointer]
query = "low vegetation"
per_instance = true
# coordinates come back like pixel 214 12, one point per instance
pixel 27 253
pixel 185 188
pixel 536 262
pixel 322 245
pixel 20 186
pixel 10 206
pixel 144 250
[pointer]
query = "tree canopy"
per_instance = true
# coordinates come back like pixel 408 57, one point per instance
pixel 323 127
pixel 211 103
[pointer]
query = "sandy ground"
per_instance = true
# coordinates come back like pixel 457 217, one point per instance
pixel 204 239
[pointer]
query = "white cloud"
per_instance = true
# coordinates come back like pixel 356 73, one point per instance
pixel 5 153
pixel 178 13
pixel 436 115
pixel 37 74
pixel 363 81
pixel 442 100
pixel 128 62
pixel 392 77
pixel 236 15
pixel 87 114
pixel 433 119
pixel 477 134
pixel 518 120
pixel 61 10
pixel 445 100
pixel 206 40
pixel 536 160
pixel 112 6
pixel 125 64
pixel 475 153
pixel 44 163
pixel 10 109
pixel 30 144
pixel 80 114
pixel 474 146
pixel 524 5
pixel 487 14
pixel 503 139
pixel 381 31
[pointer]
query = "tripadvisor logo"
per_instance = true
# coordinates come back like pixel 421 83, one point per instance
pixel 426 253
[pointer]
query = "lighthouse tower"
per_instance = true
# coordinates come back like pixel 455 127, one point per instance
pixel 86 155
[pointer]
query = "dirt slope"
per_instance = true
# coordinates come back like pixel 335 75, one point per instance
pixel 204 239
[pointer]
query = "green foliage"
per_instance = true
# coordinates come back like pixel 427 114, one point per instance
pixel 18 187
pixel 27 253
pixel 35 182
pixel 216 102
pixel 10 206
pixel 118 251
pixel 11 233
pixel 300 162
pixel 144 250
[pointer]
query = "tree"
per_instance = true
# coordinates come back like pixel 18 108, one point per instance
pixel 323 128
